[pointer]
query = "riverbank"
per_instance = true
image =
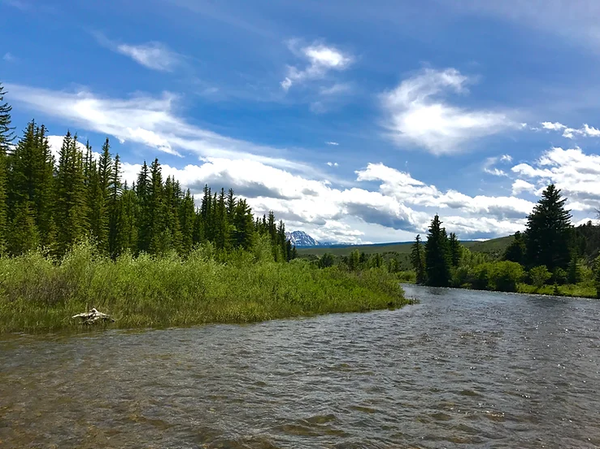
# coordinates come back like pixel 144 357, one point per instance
pixel 581 290
pixel 37 295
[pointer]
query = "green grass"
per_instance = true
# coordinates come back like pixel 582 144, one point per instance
pixel 37 294
pixel 582 290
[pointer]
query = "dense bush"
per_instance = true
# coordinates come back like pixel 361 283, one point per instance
pixel 37 293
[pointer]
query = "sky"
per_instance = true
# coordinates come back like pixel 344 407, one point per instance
pixel 353 121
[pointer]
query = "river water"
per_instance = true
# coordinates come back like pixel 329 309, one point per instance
pixel 460 369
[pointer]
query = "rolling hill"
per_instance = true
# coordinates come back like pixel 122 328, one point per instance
pixel 494 247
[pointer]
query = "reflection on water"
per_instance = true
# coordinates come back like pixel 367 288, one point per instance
pixel 460 369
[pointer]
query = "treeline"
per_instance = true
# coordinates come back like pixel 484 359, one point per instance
pixel 52 205
pixel 551 251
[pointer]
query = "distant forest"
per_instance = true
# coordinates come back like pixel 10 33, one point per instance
pixel 53 204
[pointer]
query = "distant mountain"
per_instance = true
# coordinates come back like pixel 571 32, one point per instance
pixel 301 239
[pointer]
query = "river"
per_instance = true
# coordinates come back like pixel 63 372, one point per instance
pixel 459 369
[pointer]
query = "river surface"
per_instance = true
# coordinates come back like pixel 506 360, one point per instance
pixel 460 369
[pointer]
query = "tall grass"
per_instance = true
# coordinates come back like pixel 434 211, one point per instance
pixel 38 294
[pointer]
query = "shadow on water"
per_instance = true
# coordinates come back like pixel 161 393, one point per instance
pixel 459 369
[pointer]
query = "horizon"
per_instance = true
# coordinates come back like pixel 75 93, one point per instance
pixel 351 122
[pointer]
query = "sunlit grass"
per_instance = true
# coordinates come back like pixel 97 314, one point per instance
pixel 37 294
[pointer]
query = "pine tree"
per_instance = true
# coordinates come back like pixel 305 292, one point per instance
pixel 6 137
pixel 515 252
pixel 159 237
pixel 23 235
pixel 144 218
pixel 70 195
pixel 455 250
pixel 243 225
pixel 187 217
pixel 97 216
pixel 417 260
pixel 549 231
pixel 437 255
pixel 114 206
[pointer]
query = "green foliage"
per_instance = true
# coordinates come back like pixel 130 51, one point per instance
pixel 437 255
pixel 515 252
pixel 417 260
pixel 539 275
pixel 549 232
pixel 574 271
pixel 37 294
pixel 455 250
pixel 326 260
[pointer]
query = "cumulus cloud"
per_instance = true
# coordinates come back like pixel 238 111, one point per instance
pixel 418 114
pixel 321 59
pixel 520 186
pixel 573 171
pixel 332 164
pixel 147 120
pixel 571 133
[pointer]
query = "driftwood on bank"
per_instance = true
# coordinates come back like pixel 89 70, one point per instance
pixel 93 317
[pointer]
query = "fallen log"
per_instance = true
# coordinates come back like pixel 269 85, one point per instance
pixel 93 317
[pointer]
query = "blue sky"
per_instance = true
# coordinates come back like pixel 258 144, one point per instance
pixel 354 121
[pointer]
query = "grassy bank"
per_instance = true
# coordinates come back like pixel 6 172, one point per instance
pixel 37 294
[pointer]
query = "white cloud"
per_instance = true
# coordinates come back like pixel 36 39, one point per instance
pixel 332 143
pixel 554 126
pixel 332 164
pixel 573 171
pixel 8 57
pixel 488 165
pixel 321 59
pixel 570 133
pixel 417 115
pixel 146 120
pixel 153 55
pixel 520 186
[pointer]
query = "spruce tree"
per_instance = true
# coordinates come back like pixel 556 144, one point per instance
pixel 515 252
pixel 437 255
pixel 159 238
pixel 243 225
pixel 6 137
pixel 23 233
pixel 417 260
pixel 70 195
pixel 455 250
pixel 549 231
pixel 187 217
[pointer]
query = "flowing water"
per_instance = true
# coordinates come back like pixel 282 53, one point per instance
pixel 460 369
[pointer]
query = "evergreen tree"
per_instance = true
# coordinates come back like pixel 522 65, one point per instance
pixel 243 225
pixel 160 239
pixel 23 235
pixel 549 231
pixel 113 192
pixel 515 252
pixel 144 218
pixel 70 195
pixel 6 137
pixel 97 215
pixel 455 250
pixel 187 217
pixel 417 260
pixel 437 255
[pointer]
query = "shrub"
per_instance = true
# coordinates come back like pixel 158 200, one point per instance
pixel 539 275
